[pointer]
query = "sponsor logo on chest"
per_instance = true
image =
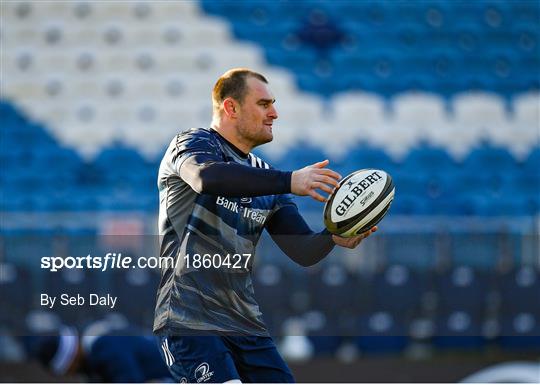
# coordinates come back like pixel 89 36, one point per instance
pixel 245 212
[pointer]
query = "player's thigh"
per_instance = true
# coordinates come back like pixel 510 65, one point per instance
pixel 198 359
pixel 258 360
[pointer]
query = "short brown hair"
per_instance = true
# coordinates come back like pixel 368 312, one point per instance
pixel 233 84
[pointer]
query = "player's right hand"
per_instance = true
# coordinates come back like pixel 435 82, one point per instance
pixel 314 177
pixel 352 242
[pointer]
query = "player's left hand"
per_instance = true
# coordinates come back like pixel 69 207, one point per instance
pixel 352 242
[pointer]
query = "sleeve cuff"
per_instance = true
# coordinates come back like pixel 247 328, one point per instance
pixel 287 176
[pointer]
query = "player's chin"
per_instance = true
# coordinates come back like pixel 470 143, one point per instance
pixel 267 137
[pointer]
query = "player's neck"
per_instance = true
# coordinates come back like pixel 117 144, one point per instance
pixel 229 134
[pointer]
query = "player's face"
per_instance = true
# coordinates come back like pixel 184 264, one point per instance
pixel 257 113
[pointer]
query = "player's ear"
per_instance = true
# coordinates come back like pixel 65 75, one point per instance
pixel 230 107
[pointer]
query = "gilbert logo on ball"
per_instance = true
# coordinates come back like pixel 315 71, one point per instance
pixel 359 203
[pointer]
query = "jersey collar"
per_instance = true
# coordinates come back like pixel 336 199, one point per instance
pixel 239 152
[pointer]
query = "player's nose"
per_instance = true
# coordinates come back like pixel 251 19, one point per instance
pixel 272 113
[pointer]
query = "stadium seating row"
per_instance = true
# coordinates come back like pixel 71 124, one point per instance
pixel 395 303
pixel 108 112
pixel 379 46
pixel 376 11
pixel 120 178
pixel 98 87
pixel 89 12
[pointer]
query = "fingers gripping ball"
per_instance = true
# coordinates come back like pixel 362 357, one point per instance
pixel 359 203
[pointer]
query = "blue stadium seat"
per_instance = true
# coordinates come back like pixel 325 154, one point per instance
pixel 526 185
pixel 331 313
pixel 398 291
pixel 320 30
pixel 510 73
pixel 216 7
pixel 530 167
pixel 441 191
pixel 382 333
pixel 458 330
pixel 348 63
pixel 123 168
pixel 28 134
pixel 480 182
pixel 429 190
pixel 409 204
pixel 304 155
pixel 296 10
pixel 273 38
pixel 330 288
pixel 117 153
pixel 477 81
pixel 355 79
pixel 139 284
pixel 75 282
pixel 408 36
pixel 472 204
pixel 360 36
pixel 524 10
pixel 411 183
pixel 520 332
pixel 16 285
pixel 269 283
pixel 314 83
pixel 260 13
pixel 238 11
pixel 365 156
pixel 474 12
pixel 519 291
pixel 490 160
pixel 423 81
pixel 527 35
pixel 443 63
pixel 462 289
pixel 377 14
pixel 294 60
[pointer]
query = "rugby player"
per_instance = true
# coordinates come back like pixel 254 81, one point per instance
pixel 109 350
pixel 216 198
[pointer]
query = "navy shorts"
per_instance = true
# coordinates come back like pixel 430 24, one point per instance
pixel 200 359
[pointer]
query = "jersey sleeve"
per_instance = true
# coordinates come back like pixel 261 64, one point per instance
pixel 230 179
pixel 196 157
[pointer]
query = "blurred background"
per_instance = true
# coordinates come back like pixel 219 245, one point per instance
pixel 443 95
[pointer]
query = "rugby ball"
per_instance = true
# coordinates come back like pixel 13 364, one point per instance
pixel 359 203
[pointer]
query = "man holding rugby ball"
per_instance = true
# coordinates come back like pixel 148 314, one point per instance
pixel 216 198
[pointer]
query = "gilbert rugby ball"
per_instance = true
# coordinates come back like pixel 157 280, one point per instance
pixel 359 203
